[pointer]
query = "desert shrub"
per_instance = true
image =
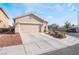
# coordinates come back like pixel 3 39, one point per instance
pixel 50 33
pixel 59 34
pixel 44 30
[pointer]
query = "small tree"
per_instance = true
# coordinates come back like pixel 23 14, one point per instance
pixel 67 25
pixel 55 27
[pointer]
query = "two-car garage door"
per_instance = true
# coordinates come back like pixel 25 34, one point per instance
pixel 29 28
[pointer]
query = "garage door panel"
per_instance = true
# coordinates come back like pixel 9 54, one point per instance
pixel 29 28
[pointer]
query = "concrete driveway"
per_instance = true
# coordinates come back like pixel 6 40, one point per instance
pixel 40 43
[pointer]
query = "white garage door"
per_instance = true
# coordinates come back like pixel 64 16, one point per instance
pixel 27 28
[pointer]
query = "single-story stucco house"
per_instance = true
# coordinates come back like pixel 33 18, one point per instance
pixel 30 23
pixel 4 20
pixel 76 28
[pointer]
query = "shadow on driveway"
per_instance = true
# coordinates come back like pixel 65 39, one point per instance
pixel 71 50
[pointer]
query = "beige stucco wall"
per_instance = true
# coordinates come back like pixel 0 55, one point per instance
pixel 17 28
pixel 29 20
pixel 43 27
pixel 4 19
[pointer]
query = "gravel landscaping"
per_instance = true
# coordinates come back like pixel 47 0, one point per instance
pixel 9 40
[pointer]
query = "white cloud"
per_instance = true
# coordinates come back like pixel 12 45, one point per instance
pixel 32 4
pixel 58 7
pixel 49 17
pixel 69 5
pixel 73 8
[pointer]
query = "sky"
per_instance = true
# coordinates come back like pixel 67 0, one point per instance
pixel 54 13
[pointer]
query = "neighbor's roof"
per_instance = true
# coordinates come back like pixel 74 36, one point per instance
pixel 4 12
pixel 33 14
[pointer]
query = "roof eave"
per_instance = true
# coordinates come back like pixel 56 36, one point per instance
pixel 4 12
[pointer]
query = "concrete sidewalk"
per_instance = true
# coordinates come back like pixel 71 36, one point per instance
pixel 12 50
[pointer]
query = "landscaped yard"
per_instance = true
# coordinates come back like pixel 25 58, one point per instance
pixel 10 39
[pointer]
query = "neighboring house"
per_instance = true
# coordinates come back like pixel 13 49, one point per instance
pixel 75 28
pixel 4 20
pixel 30 23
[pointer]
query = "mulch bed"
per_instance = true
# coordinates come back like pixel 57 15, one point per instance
pixel 10 39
